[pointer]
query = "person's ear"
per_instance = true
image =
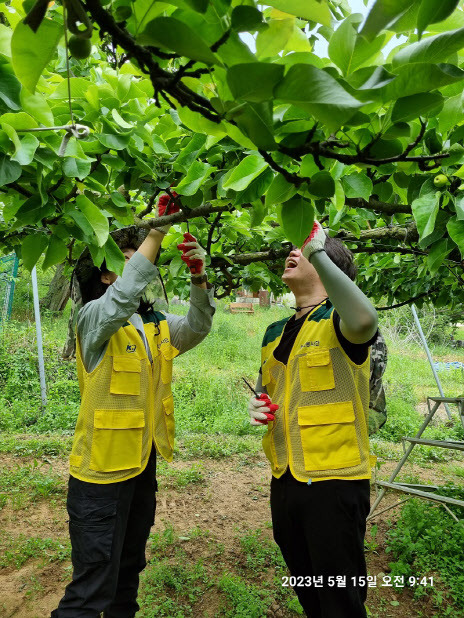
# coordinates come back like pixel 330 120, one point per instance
pixel 105 278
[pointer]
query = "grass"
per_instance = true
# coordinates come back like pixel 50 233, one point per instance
pixel 24 484
pixel 19 550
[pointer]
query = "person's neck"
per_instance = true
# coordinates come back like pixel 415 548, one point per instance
pixel 306 301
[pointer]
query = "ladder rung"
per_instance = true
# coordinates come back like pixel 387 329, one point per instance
pixel 423 494
pixel 458 446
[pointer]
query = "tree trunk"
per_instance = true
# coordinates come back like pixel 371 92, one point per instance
pixel 58 291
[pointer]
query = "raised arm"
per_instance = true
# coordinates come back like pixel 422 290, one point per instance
pixel 99 319
pixel 358 317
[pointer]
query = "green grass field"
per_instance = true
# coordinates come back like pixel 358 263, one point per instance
pixel 211 552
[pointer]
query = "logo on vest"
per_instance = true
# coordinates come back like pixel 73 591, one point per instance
pixel 310 343
pixel 165 340
pixel 130 348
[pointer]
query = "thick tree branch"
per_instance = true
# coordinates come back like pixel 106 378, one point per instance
pixel 373 204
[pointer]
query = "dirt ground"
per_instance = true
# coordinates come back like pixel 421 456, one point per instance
pixel 240 487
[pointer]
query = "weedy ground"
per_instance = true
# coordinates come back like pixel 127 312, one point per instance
pixel 211 551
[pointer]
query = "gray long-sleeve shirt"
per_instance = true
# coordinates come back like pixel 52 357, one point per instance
pixel 99 319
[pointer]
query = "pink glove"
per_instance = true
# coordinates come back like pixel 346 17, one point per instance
pixel 315 241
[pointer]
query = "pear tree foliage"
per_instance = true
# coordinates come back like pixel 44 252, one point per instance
pixel 231 105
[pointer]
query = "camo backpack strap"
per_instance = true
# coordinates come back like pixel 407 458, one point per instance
pixel 377 404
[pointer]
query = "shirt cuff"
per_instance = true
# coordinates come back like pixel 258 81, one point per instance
pixel 201 296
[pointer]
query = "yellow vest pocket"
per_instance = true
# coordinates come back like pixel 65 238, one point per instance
pixel 125 376
pixel 316 371
pixel 328 436
pixel 168 406
pixel 117 440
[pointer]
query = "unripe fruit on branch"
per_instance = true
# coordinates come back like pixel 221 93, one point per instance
pixel 79 48
pixel 440 181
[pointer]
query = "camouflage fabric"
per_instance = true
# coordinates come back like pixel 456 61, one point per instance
pixel 377 404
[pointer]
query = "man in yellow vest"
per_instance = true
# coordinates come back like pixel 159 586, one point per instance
pixel 124 359
pixel 315 367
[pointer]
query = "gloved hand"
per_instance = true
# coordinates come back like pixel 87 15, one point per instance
pixel 166 206
pixel 261 410
pixel 193 255
pixel 314 242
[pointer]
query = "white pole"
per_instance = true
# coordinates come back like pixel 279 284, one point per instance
pixel 429 356
pixel 38 327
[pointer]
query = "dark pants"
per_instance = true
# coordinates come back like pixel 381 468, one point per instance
pixel 320 530
pixel 109 527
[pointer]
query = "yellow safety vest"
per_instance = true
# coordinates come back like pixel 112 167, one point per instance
pixel 126 405
pixel 321 427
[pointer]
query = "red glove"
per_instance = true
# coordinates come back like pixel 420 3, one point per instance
pixel 259 407
pixel 193 255
pixel 166 206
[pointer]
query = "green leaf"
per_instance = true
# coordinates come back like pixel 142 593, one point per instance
pixel 247 170
pixel 33 211
pixel 79 89
pixel 255 121
pixel 408 108
pixel 257 214
pixel 116 142
pixel 432 12
pixel 256 189
pixel 297 216
pixel 420 77
pixel 456 231
pixel 279 191
pixel 9 88
pixel 76 168
pixel 357 185
pixel 312 10
pixel 36 105
pixel 318 93
pixel 254 81
pixel 425 210
pixel 195 177
pixel 159 147
pixel 322 185
pixel 191 152
pixel 459 204
pixel 19 120
pixel 5 40
pixel 10 171
pixel 114 257
pixel 343 41
pixel 32 51
pixel 383 14
pixel 175 35
pixel 25 151
pixel 273 39
pixel 438 251
pixel 95 217
pixel 79 219
pixel 246 19
pixel 431 49
pixel 32 248
pixel 56 252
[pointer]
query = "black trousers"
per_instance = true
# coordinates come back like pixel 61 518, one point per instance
pixel 109 527
pixel 320 530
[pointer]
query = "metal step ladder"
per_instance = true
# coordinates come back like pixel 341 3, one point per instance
pixel 423 491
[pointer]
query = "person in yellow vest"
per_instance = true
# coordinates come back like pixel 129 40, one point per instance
pixel 315 367
pixel 124 359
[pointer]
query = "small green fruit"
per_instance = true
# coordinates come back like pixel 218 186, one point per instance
pixel 440 181
pixel 79 48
